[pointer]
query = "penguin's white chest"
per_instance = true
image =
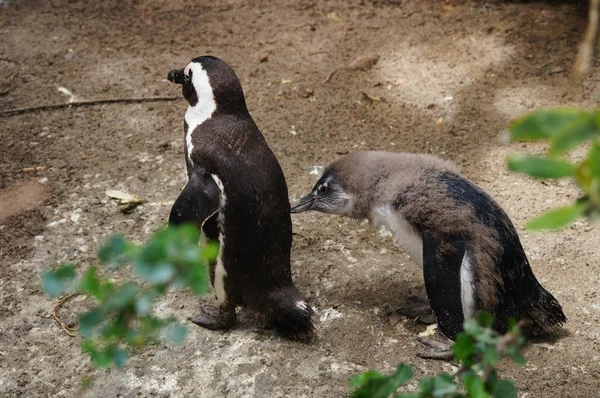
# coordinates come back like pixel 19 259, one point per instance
pixel 405 234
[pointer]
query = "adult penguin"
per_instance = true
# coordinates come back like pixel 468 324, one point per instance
pixel 238 195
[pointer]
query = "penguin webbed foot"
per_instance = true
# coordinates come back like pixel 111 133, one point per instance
pixel 221 319
pixel 420 310
pixel 440 348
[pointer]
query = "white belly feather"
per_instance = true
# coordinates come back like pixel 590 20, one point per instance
pixel 407 238
pixel 404 234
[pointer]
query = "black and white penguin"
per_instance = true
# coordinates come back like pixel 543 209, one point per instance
pixel 238 195
pixel 465 243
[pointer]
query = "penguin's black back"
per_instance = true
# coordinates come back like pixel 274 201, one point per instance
pixel 258 227
pixel 520 294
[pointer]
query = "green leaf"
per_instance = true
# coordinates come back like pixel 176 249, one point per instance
pixel 197 279
pixel 188 233
pixel 518 358
pixel 403 374
pixel 504 389
pixel 120 357
pixel 59 280
pixel 463 346
pixel 210 251
pixel 574 134
pixel 89 321
pixel 364 377
pixel 426 387
pixel 114 251
pixel 490 356
pixel 144 302
pixel 544 124
pixel 593 159
pixel 475 387
pixel 541 167
pixel 485 319
pixel 375 385
pixel 176 332
pixel 557 218
pixel 100 357
pixel 443 384
pixel 471 326
pixel 123 296
pixel 152 267
pixel 103 358
pixel 91 284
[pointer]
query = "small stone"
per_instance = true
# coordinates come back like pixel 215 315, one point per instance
pixel 264 58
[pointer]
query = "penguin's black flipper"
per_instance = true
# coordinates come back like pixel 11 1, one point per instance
pixel 198 201
pixel 442 260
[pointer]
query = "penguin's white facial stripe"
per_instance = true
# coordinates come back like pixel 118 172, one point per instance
pixel 329 197
pixel 204 108
pixel 467 286
pixel 404 233
pixel 220 271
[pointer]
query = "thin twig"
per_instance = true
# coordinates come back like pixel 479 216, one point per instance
pixel 69 330
pixel 17 111
pixel 329 76
pixel 586 48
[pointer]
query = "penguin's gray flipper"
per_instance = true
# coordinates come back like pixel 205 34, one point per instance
pixel 440 348
pixel 198 201
pixel 442 261
pixel 224 318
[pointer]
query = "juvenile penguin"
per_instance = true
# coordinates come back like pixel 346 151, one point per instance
pixel 468 248
pixel 237 194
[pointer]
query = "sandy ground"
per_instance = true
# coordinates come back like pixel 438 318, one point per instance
pixel 451 76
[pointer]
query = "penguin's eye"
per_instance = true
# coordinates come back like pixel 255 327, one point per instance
pixel 322 188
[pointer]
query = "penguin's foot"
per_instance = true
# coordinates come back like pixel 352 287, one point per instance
pixel 420 310
pixel 439 348
pixel 224 318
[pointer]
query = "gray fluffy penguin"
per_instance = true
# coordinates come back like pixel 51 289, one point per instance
pixel 464 242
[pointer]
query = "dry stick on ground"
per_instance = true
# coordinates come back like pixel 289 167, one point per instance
pixel 69 330
pixel 586 48
pixel 18 111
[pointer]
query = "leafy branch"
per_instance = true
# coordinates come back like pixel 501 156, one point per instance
pixel 564 129
pixel 123 318
pixel 477 350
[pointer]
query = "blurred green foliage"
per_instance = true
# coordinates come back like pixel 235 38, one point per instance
pixel 477 351
pixel 123 318
pixel 564 129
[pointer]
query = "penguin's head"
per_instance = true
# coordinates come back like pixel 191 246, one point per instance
pixel 208 82
pixel 329 195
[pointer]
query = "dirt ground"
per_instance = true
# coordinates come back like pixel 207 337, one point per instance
pixel 451 76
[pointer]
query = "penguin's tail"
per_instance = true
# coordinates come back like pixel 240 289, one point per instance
pixel 546 314
pixel 291 315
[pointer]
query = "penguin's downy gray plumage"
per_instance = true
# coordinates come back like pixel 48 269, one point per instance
pixel 468 248
pixel 238 195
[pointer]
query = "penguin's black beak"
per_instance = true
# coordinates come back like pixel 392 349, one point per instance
pixel 176 76
pixel 305 203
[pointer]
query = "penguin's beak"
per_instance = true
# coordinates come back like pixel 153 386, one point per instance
pixel 305 203
pixel 176 76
